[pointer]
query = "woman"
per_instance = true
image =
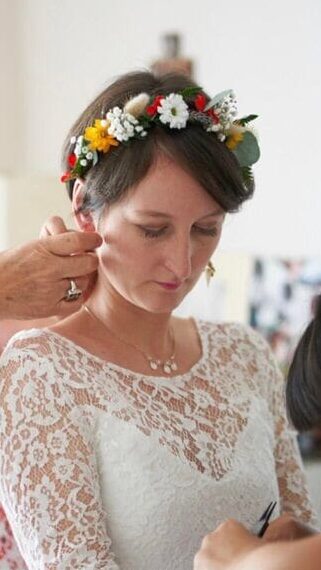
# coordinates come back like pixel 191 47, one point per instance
pixel 127 433
pixel 231 547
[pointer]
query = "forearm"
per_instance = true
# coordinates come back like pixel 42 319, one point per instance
pixel 294 555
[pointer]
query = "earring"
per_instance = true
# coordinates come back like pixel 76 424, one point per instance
pixel 209 272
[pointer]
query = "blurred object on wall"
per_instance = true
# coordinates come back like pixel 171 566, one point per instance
pixel 171 59
pixel 281 303
pixel 281 298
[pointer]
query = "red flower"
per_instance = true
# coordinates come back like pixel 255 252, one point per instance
pixel 72 159
pixel 152 109
pixel 215 118
pixel 65 177
pixel 200 102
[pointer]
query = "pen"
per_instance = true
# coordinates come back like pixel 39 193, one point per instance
pixel 262 524
pixel 266 521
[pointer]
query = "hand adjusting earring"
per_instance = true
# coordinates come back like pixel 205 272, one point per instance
pixel 209 272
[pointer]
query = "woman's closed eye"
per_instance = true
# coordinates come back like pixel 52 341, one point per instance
pixel 149 232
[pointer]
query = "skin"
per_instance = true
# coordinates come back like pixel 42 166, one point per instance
pixel 164 231
pixel 34 277
pixel 232 547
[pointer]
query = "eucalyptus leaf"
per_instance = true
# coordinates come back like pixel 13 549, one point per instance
pixel 247 151
pixel 218 98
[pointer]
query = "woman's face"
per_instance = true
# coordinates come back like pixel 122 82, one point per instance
pixel 159 238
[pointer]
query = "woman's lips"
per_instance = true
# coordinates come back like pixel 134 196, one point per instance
pixel 169 286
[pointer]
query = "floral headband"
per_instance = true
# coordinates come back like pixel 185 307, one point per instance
pixel 173 111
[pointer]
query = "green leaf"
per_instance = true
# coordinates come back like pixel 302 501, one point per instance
pixel 218 98
pixel 190 91
pixel 247 173
pixel 245 120
pixel 247 151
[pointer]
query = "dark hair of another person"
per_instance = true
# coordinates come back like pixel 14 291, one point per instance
pixel 303 390
pixel 200 153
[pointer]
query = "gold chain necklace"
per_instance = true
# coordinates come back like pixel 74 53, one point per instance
pixel 168 365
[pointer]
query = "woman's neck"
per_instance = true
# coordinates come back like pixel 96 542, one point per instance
pixel 150 331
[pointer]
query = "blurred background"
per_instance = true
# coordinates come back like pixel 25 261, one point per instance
pixel 55 56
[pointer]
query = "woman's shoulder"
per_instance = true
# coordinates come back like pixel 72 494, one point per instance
pixel 238 343
pixel 35 340
pixel 37 350
pixel 231 332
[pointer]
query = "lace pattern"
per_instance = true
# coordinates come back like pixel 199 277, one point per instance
pixel 77 434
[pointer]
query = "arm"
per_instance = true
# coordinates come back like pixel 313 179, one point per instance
pixel 232 547
pixel 49 484
pixel 301 554
pixel 34 277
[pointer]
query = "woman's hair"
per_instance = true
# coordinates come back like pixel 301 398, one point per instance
pixel 303 390
pixel 200 153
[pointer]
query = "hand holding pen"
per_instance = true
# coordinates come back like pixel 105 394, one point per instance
pixel 262 524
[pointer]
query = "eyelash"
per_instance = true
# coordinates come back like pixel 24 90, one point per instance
pixel 152 234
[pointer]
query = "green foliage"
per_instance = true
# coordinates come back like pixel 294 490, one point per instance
pixel 247 151
pixel 247 174
pixel 190 91
pixel 246 120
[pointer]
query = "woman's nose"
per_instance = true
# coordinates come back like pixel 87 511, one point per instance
pixel 179 259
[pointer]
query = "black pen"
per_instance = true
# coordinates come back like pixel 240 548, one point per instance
pixel 266 522
pixel 262 524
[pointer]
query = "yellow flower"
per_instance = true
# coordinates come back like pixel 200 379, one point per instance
pixel 234 136
pixel 234 139
pixel 98 137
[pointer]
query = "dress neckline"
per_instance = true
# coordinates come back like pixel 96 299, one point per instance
pixel 200 329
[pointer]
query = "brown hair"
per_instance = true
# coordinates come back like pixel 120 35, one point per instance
pixel 200 153
pixel 303 390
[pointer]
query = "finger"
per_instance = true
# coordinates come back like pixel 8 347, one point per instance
pixel 81 283
pixel 65 308
pixel 72 242
pixel 90 286
pixel 53 226
pixel 77 265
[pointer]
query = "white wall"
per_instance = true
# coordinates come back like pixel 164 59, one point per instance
pixel 55 55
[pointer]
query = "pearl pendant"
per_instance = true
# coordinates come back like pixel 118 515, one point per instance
pixel 168 366
pixel 153 364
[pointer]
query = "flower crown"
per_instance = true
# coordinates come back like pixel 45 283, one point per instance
pixel 173 111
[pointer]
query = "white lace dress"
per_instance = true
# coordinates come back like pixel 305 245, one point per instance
pixel 103 468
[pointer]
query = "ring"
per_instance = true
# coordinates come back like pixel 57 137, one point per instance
pixel 73 292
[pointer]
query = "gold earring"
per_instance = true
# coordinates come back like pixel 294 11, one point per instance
pixel 209 272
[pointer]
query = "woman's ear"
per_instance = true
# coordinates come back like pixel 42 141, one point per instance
pixel 84 220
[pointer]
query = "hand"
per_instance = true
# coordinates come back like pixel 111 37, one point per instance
pixel 54 226
pixel 286 527
pixel 34 277
pixel 223 547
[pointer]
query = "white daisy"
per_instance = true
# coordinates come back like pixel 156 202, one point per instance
pixel 173 111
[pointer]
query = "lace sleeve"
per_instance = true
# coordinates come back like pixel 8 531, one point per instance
pixel 48 476
pixel 289 467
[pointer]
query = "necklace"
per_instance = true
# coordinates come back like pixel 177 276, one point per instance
pixel 167 366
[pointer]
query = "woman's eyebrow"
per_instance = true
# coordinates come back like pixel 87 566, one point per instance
pixel 153 213
pixel 217 212
pixel 157 214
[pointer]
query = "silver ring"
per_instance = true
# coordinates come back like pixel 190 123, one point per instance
pixel 73 292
